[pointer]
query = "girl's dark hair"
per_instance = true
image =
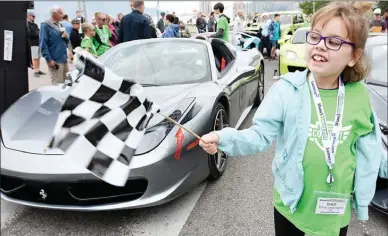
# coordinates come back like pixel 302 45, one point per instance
pixel 219 6
pixel 170 18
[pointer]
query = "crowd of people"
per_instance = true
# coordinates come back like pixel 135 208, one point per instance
pixel 56 37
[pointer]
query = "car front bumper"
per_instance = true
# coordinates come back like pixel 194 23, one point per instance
pixel 155 178
pixel 287 65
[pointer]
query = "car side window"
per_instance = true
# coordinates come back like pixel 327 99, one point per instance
pixel 224 57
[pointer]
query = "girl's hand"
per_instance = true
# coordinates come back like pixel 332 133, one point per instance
pixel 209 143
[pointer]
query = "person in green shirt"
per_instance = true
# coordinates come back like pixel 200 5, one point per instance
pixel 222 24
pixel 102 39
pixel 87 41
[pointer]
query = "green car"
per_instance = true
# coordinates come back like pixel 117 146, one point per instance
pixel 293 52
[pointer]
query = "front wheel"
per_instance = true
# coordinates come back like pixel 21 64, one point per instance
pixel 218 161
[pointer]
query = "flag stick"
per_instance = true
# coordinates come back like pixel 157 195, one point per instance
pixel 188 130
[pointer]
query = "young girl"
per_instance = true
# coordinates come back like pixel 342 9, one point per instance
pixel 87 41
pixel 328 147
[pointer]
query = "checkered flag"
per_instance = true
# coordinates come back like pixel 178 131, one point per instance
pixel 102 121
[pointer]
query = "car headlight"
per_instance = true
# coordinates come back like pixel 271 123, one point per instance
pixel 158 132
pixel 291 55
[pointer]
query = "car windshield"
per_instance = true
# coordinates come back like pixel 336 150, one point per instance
pixel 378 72
pixel 299 37
pixel 160 63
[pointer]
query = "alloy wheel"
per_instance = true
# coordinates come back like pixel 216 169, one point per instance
pixel 261 85
pixel 220 123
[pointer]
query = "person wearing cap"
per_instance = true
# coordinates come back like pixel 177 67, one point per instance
pixel 75 37
pixel 33 38
pixel 161 24
pixel 377 25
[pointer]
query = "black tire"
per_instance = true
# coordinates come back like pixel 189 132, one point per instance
pixel 259 97
pixel 216 171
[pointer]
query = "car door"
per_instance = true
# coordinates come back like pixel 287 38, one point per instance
pixel 231 80
pixel 250 82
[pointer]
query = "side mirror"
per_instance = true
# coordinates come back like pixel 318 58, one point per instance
pixel 248 70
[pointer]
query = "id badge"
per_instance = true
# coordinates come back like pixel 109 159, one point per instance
pixel 329 203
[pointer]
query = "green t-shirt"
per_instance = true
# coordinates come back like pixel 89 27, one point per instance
pixel 88 43
pixel 356 122
pixel 105 35
pixel 223 24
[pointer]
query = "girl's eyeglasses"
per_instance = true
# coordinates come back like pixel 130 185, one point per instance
pixel 331 42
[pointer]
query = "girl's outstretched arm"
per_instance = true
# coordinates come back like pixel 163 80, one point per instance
pixel 267 123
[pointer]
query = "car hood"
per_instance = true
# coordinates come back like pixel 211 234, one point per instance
pixel 29 123
pixel 299 49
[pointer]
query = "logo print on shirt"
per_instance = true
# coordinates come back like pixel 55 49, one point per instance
pixel 315 133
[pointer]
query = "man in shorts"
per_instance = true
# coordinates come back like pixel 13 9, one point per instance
pixel 274 35
pixel 33 38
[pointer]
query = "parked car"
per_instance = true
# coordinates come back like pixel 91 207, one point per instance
pixel 293 51
pixel 239 39
pixel 204 85
pixel 377 84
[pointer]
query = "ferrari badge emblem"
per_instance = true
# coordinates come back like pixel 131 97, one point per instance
pixel 43 194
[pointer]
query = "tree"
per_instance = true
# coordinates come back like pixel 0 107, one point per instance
pixel 308 6
pixel 383 5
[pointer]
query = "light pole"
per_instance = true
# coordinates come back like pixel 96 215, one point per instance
pixel 313 6
pixel 157 10
pixel 84 11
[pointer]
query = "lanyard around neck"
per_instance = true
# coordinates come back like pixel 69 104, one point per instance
pixel 329 142
pixel 103 31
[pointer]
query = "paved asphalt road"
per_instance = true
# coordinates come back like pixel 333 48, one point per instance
pixel 240 203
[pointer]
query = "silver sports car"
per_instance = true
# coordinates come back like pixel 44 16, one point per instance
pixel 377 84
pixel 203 84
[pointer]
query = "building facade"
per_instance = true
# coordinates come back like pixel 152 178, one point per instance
pixel 205 7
